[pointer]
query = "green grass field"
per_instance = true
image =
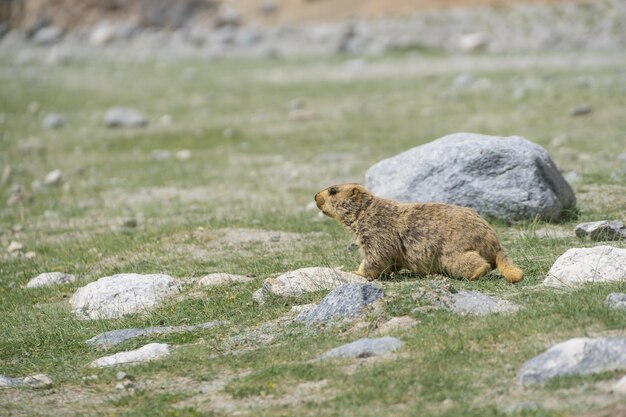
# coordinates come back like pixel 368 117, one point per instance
pixel 261 175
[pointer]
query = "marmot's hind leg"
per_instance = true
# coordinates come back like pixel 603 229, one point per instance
pixel 468 265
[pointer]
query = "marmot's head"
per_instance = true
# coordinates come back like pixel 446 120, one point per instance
pixel 343 202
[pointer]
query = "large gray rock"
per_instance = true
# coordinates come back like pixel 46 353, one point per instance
pixel 508 178
pixel 477 303
pixel 150 352
pixel 346 301
pixel 308 280
pixel 616 301
pixel 364 348
pixel 117 295
pixel 579 356
pixel 579 266
pixel 49 279
pixel 601 231
pixel 124 117
pixel 115 337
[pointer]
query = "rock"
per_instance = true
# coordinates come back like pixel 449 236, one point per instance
pixel 54 121
pixel 307 280
pixel 616 301
pixel 463 80
pixel 229 132
pixel 507 178
pixel 346 301
pixel 396 323
pixel 579 266
pixel 38 381
pixel 160 155
pixel 364 348
pixel 572 177
pixel 259 296
pixel 102 34
pixel 296 104
pixel 124 117
pixel 183 155
pixel 49 279
pixel 579 356
pixel 221 278
pixel 479 304
pixel 302 308
pixel 117 295
pixel 149 352
pixel 31 146
pixel 620 386
pixel 41 381
pixel 473 42
pixel 581 110
pixel 121 375
pixel 6 381
pixel 227 16
pixel 601 231
pixel 14 247
pixel 115 337
pixel 53 178
pixel 48 35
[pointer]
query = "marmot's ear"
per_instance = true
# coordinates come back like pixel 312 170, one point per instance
pixel 355 193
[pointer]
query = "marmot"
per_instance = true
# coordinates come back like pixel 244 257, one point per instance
pixel 424 238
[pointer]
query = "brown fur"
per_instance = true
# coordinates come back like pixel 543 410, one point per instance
pixel 424 238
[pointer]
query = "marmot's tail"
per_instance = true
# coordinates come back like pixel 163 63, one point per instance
pixel 510 271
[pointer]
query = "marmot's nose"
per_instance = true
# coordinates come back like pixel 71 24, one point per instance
pixel 319 200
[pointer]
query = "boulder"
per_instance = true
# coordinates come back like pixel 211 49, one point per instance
pixel 117 295
pixel 601 231
pixel 150 352
pixel 507 178
pixel 308 280
pixel 364 348
pixel 579 266
pixel 124 117
pixel 346 301
pixel 49 279
pixel 579 356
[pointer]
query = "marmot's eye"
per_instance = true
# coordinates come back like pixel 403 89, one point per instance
pixel 332 190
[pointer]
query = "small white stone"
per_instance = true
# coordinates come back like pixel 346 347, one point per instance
pixel 578 266
pixel 38 381
pixel 49 279
pixel 14 247
pixel 54 178
pixel 149 352
pixel 183 154
pixel 221 278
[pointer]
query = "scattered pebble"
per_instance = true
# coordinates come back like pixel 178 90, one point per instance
pixel 160 155
pixel 616 301
pixel 54 121
pixel 14 247
pixel 364 348
pixel 183 155
pixel 53 178
pixel 601 230
pixel 147 353
pixel 581 110
pixel 49 279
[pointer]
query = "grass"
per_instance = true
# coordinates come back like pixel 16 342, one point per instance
pixel 262 177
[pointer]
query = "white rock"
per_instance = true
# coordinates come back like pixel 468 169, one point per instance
pixel 473 41
pixel 183 154
pixel 221 278
pixel 146 353
pixel 124 117
pixel 117 295
pixel 578 266
pixel 49 279
pixel 38 381
pixel 53 178
pixel 14 247
pixel 102 35
pixel 307 280
pixel 302 308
